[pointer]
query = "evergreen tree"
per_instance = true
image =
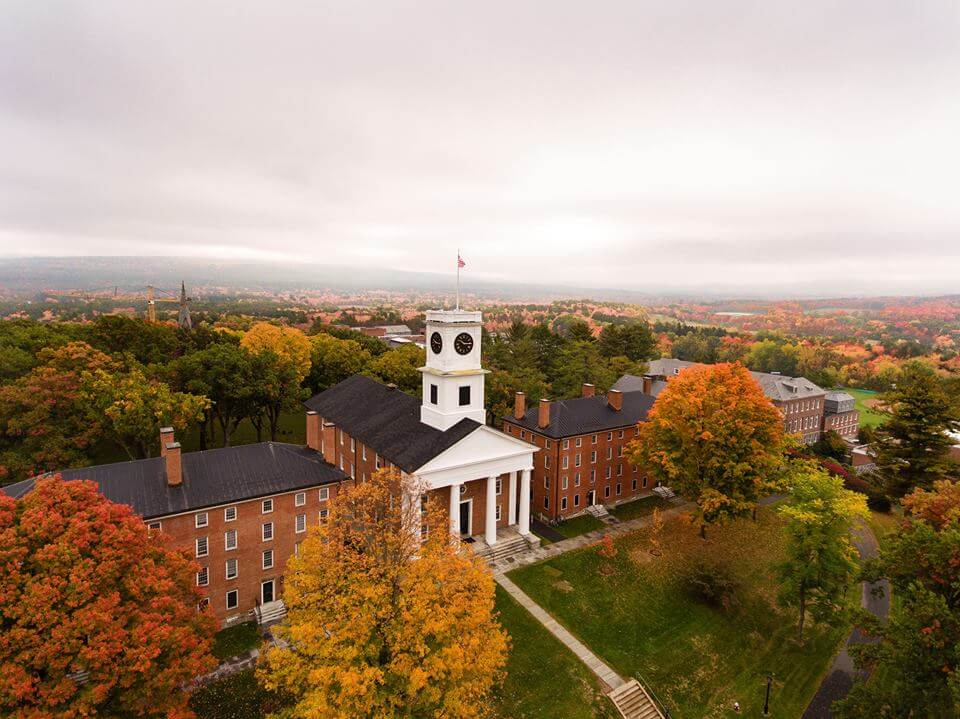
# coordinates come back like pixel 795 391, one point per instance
pixel 913 445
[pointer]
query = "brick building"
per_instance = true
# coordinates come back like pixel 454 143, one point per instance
pixel 582 445
pixel 240 512
pixel 805 407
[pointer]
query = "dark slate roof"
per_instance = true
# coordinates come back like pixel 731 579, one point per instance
pixel 584 415
pixel 216 476
pixel 386 420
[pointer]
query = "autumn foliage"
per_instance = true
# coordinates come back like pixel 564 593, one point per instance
pixel 938 508
pixel 715 438
pixel 85 588
pixel 382 625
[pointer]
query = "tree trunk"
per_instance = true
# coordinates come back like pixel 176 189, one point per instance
pixel 803 611
pixel 703 532
pixel 203 433
pixel 754 513
pixel 225 428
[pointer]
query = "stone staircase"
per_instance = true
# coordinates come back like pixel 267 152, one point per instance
pixel 633 702
pixel 509 548
pixel 270 612
pixel 598 511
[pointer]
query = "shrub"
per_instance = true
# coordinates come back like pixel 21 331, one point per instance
pixel 710 583
pixel 237 696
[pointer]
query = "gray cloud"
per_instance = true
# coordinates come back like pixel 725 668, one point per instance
pixel 682 144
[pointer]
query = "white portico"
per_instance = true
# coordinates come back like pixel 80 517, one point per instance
pixel 486 474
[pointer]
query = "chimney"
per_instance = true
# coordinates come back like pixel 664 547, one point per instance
pixel 615 400
pixel 313 430
pixel 519 405
pixel 543 417
pixel 171 456
pixel 329 446
pixel 648 385
pixel 166 437
pixel 588 389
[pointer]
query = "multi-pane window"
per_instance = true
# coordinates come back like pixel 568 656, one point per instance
pixel 618 489
pixel 563 484
pixel 232 599
pixel 202 549
pixel 576 480
pixel 300 499
pixel 634 484
pixel 566 462
pixel 546 481
pixel 498 512
pixel 609 436
pixel 546 460
pixel 266 506
pixel 593 439
pixel 230 539
pixel 566 444
pixel 268 559
pixel 154 526
pixel 546 502
pixel 200 519
pixel 266 531
pixel 523 434
pixel 579 441
pixel 620 435
pixel 563 502
pixel 324 494
pixel 619 470
pixel 607 472
pixel 324 513
pixel 203 577
pixel 231 568
pixel 499 486
pixel 300 524
pixel 363 451
pixel 606 491
pixel 593 457
pixel 576 460
pixel 609 452
pixel 229 514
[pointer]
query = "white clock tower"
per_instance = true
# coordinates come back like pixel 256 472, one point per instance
pixel 452 377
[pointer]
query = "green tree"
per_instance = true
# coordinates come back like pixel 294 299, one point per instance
pixel 773 356
pixel 399 366
pixel 715 438
pixel 581 362
pixel 282 362
pixel 45 424
pixel 634 341
pixel 820 562
pixel 916 658
pixel 332 360
pixel 132 408
pixel 913 444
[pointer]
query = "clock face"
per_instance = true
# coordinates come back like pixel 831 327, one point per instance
pixel 436 343
pixel 463 343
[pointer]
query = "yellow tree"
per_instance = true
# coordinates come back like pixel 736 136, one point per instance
pixel 281 362
pixel 715 438
pixel 386 618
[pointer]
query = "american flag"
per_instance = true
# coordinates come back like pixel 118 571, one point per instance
pixel 460 262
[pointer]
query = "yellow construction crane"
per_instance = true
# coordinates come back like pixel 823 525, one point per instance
pixel 151 297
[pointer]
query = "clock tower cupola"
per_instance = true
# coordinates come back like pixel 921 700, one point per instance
pixel 452 377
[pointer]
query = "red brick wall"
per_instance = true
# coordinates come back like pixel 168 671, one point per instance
pixel 846 424
pixel 553 453
pixel 250 545
pixel 803 416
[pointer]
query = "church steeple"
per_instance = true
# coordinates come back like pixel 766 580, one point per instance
pixel 183 317
pixel 453 380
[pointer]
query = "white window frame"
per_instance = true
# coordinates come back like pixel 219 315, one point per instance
pixel 226 540
pixel 266 529
pixel 227 512
pixel 578 442
pixel 236 568
pixel 299 499
pixel 563 503
pixel 498 512
pixel 564 483
pixel 203 577
pixel 264 564
pixel 300 524
pixel 323 514
pixel 576 500
pixel 197 523
pixel 156 526
pixel 264 504
pixel 566 444
pixel 206 547
pixel 324 494
pixel 499 486
pixel 236 599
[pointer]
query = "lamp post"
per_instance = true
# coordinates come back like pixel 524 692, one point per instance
pixel 766 701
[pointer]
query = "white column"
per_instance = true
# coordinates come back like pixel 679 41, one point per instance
pixel 512 502
pixel 524 519
pixel 411 511
pixel 455 512
pixel 491 533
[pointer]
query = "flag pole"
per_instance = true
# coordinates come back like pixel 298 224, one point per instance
pixel 458 278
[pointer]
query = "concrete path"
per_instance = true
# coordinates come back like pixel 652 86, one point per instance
pixel 839 680
pixel 609 677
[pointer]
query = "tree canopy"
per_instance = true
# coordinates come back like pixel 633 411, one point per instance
pixel 714 437
pixel 382 624
pixel 86 589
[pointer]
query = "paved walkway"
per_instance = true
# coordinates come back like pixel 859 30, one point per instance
pixel 605 673
pixel 839 680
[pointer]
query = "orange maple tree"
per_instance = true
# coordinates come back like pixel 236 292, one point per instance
pixel 385 618
pixel 715 438
pixel 97 617
pixel 939 507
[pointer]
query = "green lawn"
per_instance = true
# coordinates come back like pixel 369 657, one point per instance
pixel 639 507
pixel 237 696
pixel 579 525
pixel 544 679
pixel 236 640
pixel 868 417
pixel 697 658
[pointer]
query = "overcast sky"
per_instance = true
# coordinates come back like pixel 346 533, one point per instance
pixel 745 145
